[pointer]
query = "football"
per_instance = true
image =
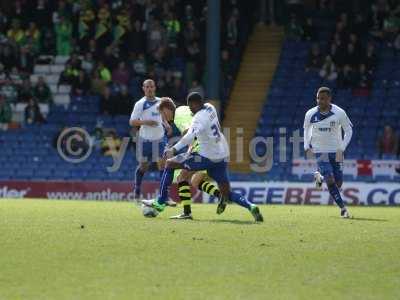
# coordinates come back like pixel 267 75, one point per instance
pixel 149 212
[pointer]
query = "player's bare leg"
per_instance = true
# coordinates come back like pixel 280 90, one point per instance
pixel 223 199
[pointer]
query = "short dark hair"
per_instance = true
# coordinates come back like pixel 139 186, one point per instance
pixel 324 89
pixel 194 97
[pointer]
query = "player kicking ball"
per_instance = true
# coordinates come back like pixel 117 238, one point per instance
pixel 211 157
pixel 323 126
pixel 176 123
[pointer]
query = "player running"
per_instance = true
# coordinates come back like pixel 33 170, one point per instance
pixel 323 126
pixel 212 157
pixel 177 122
pixel 151 139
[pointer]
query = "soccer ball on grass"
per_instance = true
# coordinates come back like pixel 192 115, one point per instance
pixel 149 212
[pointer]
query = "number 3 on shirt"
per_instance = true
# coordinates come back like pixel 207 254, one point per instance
pixel 215 131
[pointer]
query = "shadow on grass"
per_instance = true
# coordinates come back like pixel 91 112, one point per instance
pixel 369 219
pixel 238 222
pixel 363 219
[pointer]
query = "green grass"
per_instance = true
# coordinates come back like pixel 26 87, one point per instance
pixel 299 252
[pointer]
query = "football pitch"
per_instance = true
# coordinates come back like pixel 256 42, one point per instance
pixel 108 250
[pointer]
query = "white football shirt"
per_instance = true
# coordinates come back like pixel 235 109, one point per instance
pixel 148 110
pixel 323 131
pixel 206 128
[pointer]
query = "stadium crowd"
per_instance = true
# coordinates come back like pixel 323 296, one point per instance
pixel 349 58
pixel 112 46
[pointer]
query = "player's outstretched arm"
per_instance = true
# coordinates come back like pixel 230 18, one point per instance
pixel 188 138
pixel 135 123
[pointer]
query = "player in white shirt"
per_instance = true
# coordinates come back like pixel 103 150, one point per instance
pixel 212 156
pixel 323 126
pixel 151 139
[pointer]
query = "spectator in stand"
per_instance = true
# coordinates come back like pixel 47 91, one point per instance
pixel 193 61
pixel 309 30
pixel 110 58
pixel 370 58
pixel 328 71
pixel 63 30
pixel 88 63
pixel 3 75
pixel 359 25
pixel 173 28
pixel 41 14
pixel 232 29
pixel 140 65
pixel 197 88
pixel 42 92
pixel 48 42
pixel 388 143
pixel 295 7
pixel 15 77
pixel 16 34
pixel 97 85
pixel 378 12
pixel 32 38
pixel 81 85
pixel 135 40
pixel 294 31
pixel 3 21
pixel 190 33
pixel 337 55
pixel 354 40
pixel 104 72
pixel 123 101
pixel 178 92
pixel 86 26
pixel 396 44
pixel 26 59
pixel 352 58
pixel 5 113
pixel 8 57
pixel 363 81
pixel 18 12
pixel 341 33
pixel 391 26
pixel 92 48
pixel 156 36
pixel 75 61
pixel 32 113
pixel 314 59
pixel 121 75
pixel 25 91
pixel 346 78
pixel 226 65
pixel 9 83
pixel 108 102
pixel 103 33
pixel 69 75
